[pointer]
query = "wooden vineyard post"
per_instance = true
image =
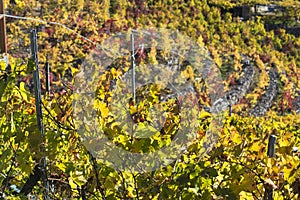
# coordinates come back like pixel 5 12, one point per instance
pixel 230 109
pixel 133 76
pixel 47 74
pixel 271 146
pixel 3 44
pixel 271 153
pixel 133 67
pixel 38 103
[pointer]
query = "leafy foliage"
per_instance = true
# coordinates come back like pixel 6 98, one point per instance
pixel 236 168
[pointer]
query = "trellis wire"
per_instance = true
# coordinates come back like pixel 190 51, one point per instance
pixel 62 25
pixel 71 30
pixel 46 22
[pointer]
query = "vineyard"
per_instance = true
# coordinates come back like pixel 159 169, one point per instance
pixel 260 101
